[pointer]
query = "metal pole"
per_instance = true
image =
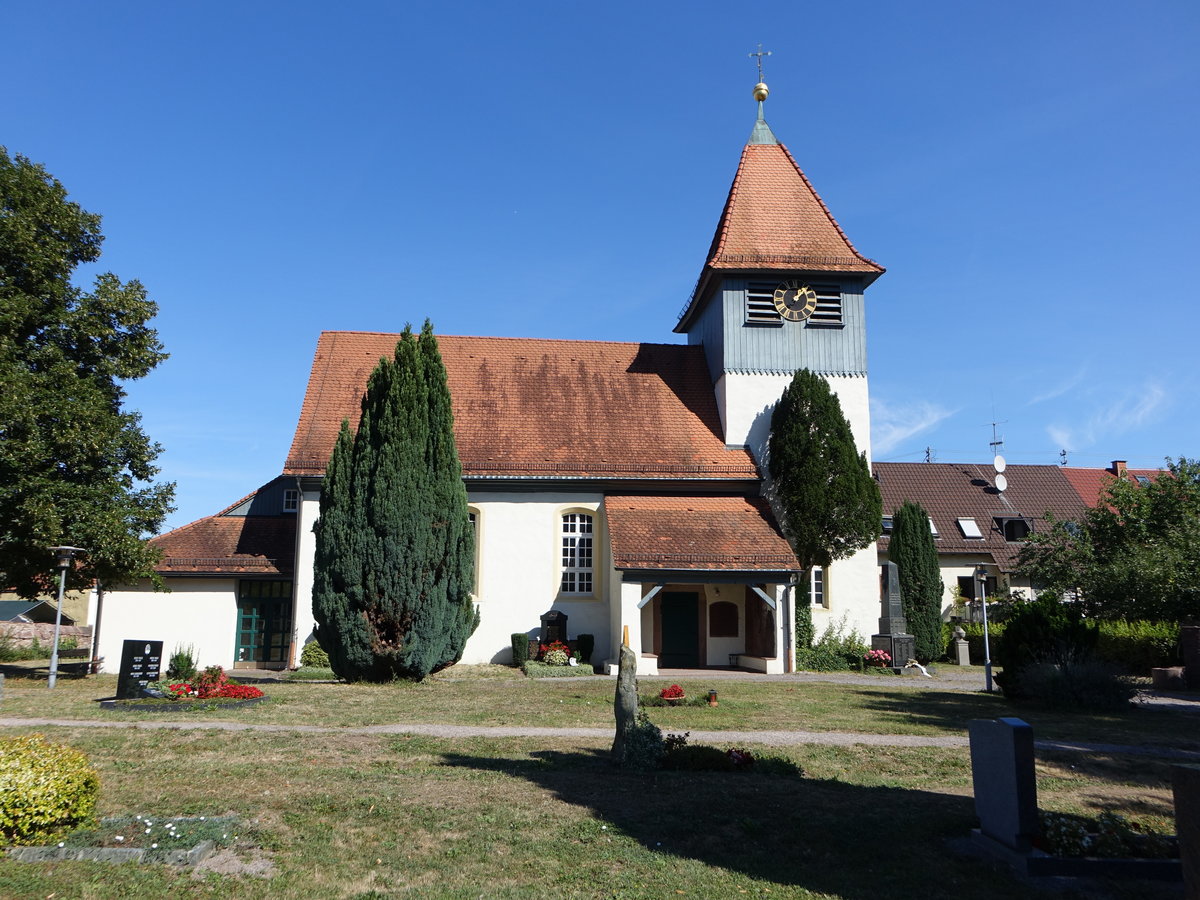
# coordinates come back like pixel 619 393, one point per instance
pixel 62 584
pixel 987 650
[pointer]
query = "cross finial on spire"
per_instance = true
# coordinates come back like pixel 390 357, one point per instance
pixel 760 54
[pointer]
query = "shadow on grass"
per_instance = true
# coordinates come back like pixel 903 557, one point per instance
pixel 951 712
pixel 825 836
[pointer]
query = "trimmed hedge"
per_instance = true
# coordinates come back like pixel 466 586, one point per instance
pixel 520 648
pixel 44 789
pixel 1136 647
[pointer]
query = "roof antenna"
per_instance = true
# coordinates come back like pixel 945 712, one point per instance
pixel 929 457
pixel 1062 456
pixel 1000 480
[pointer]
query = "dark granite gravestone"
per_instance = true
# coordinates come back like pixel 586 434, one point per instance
pixel 554 626
pixel 892 637
pixel 141 662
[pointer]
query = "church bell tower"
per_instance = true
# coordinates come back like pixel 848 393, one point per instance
pixel 782 289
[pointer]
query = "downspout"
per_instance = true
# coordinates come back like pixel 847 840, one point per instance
pixel 789 632
pixel 291 662
pixel 94 667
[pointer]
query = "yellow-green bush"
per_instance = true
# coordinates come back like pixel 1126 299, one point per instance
pixel 44 789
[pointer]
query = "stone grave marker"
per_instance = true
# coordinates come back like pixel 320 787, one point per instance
pixel 1005 787
pixel 141 662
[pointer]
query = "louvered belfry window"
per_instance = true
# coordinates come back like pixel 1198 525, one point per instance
pixel 760 304
pixel 576 553
pixel 829 305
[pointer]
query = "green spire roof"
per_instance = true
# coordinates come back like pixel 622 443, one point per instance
pixel 762 133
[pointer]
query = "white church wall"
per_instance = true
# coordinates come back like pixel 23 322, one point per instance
pixel 745 403
pixel 719 648
pixel 302 585
pixel 852 592
pixel 200 612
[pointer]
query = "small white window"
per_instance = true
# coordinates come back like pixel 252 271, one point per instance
pixel 576 553
pixel 291 500
pixel 933 530
pixel 816 586
pixel 970 529
pixel 473 524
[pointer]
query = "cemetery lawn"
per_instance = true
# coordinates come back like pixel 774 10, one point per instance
pixel 501 696
pixel 372 816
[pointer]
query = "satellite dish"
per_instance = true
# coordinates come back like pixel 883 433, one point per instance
pixel 999 464
pixel 1001 482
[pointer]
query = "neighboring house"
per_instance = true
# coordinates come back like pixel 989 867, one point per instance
pixel 618 483
pixel 974 524
pixel 40 612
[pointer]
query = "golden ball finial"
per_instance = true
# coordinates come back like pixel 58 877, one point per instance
pixel 760 92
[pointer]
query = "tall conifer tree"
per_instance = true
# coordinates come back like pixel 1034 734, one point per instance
pixel 395 551
pixel 822 488
pixel 912 549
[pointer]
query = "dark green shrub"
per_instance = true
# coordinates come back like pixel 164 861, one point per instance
pixel 1074 684
pixel 44 789
pixel 182 666
pixel 520 648
pixel 534 669
pixel 1137 647
pixel 313 656
pixel 697 758
pixel 585 644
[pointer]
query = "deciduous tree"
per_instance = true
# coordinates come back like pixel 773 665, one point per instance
pixel 395 550
pixel 75 466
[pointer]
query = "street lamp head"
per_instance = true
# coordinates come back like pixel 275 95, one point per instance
pixel 65 555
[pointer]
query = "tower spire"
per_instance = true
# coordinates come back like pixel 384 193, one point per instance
pixel 762 133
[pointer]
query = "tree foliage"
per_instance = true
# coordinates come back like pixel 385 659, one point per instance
pixel 395 551
pixel 828 501
pixel 1135 555
pixel 75 467
pixel 912 549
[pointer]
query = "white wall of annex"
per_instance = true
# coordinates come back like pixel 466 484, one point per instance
pixel 852 595
pixel 201 612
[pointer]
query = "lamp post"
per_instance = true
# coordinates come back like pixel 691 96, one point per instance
pixel 981 575
pixel 64 557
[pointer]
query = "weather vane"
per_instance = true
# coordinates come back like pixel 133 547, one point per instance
pixel 760 54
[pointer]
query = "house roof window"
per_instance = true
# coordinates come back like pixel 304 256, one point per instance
pixel 970 529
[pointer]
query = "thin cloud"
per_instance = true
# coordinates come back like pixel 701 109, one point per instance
pixel 1071 382
pixel 1131 410
pixel 892 425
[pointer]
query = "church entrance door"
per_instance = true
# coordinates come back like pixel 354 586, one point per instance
pixel 680 630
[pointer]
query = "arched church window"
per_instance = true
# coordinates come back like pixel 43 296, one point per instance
pixel 577 553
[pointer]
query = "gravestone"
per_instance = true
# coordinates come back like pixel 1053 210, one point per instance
pixel 893 637
pixel 625 703
pixel 141 662
pixel 554 627
pixel 1005 787
pixel 1189 647
pixel 1185 782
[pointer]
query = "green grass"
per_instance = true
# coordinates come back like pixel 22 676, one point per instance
pixel 353 815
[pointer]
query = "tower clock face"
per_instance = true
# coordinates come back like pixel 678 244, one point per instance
pixel 795 300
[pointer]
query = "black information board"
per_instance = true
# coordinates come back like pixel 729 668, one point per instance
pixel 140 664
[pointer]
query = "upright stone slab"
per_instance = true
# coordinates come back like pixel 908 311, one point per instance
pixel 1189 647
pixel 893 638
pixel 625 704
pixel 141 662
pixel 1005 787
pixel 1185 782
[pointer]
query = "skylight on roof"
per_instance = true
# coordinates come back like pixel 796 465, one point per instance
pixel 933 529
pixel 970 529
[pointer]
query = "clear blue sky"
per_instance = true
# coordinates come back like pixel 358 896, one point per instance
pixel 1026 171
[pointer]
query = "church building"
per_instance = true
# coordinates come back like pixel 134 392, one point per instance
pixel 620 484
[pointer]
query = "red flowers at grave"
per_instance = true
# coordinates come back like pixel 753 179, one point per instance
pixel 674 692
pixel 880 659
pixel 740 757
pixel 210 684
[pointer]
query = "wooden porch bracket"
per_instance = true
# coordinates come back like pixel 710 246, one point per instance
pixel 650 596
pixel 767 598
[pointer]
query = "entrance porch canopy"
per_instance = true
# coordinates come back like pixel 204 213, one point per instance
pixel 709 543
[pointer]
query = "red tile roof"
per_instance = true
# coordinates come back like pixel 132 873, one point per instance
pixel 545 408
pixel 230 545
pixel 950 491
pixel 773 219
pixel 1091 483
pixel 671 533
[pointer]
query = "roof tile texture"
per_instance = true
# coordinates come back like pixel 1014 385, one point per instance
pixel 530 407
pixel 773 219
pixel 724 533
pixel 950 491
pixel 231 545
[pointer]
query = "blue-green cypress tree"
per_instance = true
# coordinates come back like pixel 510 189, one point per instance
pixel 912 549
pixel 395 552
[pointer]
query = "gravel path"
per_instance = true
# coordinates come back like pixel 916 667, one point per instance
pixel 771 738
